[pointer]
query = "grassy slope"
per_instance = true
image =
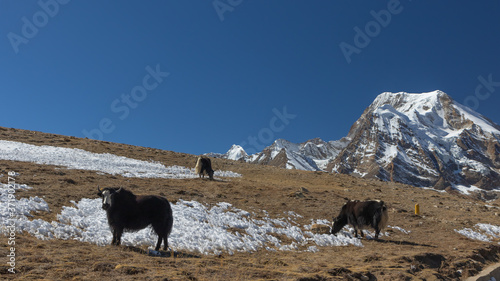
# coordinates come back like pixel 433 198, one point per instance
pixel 432 249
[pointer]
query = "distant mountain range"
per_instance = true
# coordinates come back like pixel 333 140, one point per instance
pixel 425 140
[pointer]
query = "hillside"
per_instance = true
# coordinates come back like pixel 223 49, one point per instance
pixel 416 247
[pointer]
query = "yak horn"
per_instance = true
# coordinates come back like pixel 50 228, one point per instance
pixel 98 189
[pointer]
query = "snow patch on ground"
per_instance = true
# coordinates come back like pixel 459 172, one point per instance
pixel 482 232
pixel 15 213
pixel 399 229
pixel 467 190
pixel 197 227
pixel 74 158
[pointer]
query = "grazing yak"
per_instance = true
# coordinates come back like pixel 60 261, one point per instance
pixel 129 212
pixel 362 214
pixel 204 165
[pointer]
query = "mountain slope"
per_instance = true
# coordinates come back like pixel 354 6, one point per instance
pixel 312 155
pixel 424 140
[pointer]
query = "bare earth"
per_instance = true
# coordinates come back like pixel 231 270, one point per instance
pixel 431 251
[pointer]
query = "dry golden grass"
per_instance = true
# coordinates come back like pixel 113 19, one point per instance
pixel 431 251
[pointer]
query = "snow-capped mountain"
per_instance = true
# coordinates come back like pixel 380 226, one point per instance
pixel 284 154
pixel 424 139
pixel 312 155
pixel 236 152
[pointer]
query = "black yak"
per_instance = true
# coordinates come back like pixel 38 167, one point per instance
pixel 362 214
pixel 129 212
pixel 204 165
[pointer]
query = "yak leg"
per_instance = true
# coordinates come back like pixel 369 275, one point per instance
pixel 158 244
pixel 162 235
pixel 377 224
pixel 117 237
pixel 165 243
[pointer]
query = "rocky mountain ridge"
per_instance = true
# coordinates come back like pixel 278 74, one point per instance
pixel 425 140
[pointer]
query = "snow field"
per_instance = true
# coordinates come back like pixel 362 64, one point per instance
pixel 15 213
pixel 197 227
pixel 74 158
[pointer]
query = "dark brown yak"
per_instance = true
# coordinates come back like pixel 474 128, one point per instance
pixel 361 214
pixel 129 212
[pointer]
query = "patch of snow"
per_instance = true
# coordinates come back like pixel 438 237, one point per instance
pixel 15 213
pixel 197 227
pixel 322 163
pixel 482 232
pixel 400 229
pixel 74 158
pixel 466 189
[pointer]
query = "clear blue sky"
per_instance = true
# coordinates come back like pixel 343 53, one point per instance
pixel 199 76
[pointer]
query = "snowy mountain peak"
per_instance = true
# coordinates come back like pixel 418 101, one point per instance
pixel 312 155
pixel 236 152
pixel 423 139
pixel 434 110
pixel 402 100
pixel 316 141
pixel 281 143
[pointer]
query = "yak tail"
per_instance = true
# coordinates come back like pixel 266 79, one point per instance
pixel 170 223
pixel 384 217
pixel 197 168
pixel 169 219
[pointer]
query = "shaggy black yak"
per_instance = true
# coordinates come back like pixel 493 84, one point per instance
pixel 361 214
pixel 127 211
